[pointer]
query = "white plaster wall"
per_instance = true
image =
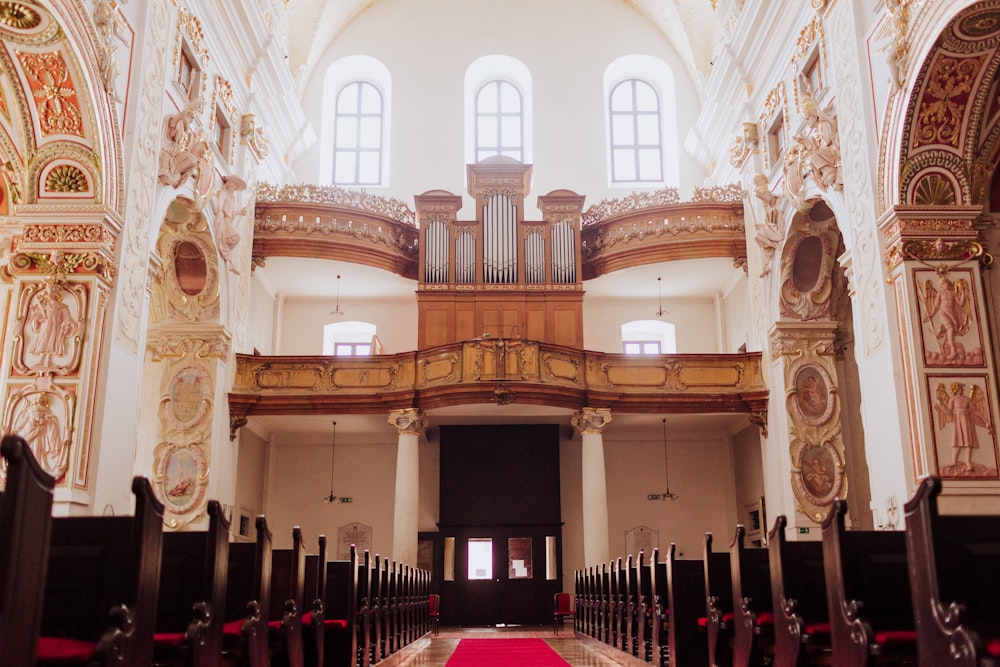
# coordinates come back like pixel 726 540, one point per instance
pixel 251 480
pixel 299 477
pixel 394 319
pixel 695 321
pixel 736 310
pixel 565 44
pixel 701 474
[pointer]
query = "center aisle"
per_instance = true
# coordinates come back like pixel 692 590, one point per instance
pixel 507 647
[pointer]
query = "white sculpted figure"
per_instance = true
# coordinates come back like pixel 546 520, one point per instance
pixel 769 234
pixel 40 427
pixel 227 232
pixel 821 145
pixel 52 322
pixel 949 310
pixel 184 147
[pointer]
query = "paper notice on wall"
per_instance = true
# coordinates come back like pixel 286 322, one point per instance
pixel 520 570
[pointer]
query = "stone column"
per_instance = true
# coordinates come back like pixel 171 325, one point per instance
pixel 591 422
pixel 408 423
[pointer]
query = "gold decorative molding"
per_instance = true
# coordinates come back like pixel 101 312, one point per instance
pixel 612 207
pixel 718 193
pixel 409 421
pixel 591 420
pixel 746 143
pixel 471 371
pixel 189 27
pixel 388 207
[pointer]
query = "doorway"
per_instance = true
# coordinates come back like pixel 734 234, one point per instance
pixel 500 527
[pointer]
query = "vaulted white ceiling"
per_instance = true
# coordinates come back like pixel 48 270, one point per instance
pixel 686 24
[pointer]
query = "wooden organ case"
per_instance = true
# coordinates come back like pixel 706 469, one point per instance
pixel 500 276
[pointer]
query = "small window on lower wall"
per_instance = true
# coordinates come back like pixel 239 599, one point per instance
pixel 519 558
pixel 649 337
pixel 480 558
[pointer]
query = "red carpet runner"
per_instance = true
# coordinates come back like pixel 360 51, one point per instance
pixel 505 653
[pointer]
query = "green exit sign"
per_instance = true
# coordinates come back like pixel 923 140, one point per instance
pixel 803 531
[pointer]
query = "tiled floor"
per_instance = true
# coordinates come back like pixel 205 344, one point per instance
pixel 572 651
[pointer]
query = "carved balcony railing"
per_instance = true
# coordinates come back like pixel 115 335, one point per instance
pixel 641 228
pixel 332 223
pixel 625 233
pixel 502 371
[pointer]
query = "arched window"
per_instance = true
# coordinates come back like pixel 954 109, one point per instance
pixel 357 131
pixel 499 121
pixel 649 337
pixel 497 109
pixel 350 339
pixel 641 123
pixel 636 145
pixel 355 127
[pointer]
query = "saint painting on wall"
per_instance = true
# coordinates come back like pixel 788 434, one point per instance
pixel 813 400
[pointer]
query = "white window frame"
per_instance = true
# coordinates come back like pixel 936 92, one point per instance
pixel 341 73
pixel 352 333
pixel 647 331
pixel 503 144
pixel 492 68
pixel 657 74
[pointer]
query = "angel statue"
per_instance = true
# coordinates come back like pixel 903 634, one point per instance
pixel 964 413
pixel 768 234
pixel 950 305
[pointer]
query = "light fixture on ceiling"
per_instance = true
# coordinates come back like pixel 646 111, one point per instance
pixel 659 292
pixel 337 312
pixel 331 498
pixel 666 495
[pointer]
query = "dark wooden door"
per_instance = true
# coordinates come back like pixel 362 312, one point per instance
pixel 500 484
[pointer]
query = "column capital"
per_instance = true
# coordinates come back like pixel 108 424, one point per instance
pixel 591 420
pixel 409 421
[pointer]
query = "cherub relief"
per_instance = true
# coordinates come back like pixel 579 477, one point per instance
pixel 964 413
pixel 949 311
pixel 109 25
pixel 768 234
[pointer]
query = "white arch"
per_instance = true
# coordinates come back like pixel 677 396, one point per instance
pixel 340 73
pixel 491 68
pixel 658 74
pixel 651 330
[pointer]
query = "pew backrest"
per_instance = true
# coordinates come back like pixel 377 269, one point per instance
pixel 798 590
pixel 25 530
pixel 954 571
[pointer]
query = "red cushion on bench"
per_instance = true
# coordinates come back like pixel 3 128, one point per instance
pixel 337 623
pixel 765 618
pixel 703 622
pixel 818 629
pixel 274 625
pixel 993 647
pixel 726 618
pixel 896 637
pixel 63 650
pixel 233 628
pixel 168 639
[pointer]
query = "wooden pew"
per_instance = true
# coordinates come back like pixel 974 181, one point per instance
pixel 192 596
pixel 97 564
pixel 798 599
pixel 628 635
pixel 718 605
pixel 753 622
pixel 868 594
pixel 340 618
pixel 686 602
pixel 659 611
pixel 954 574
pixel 363 623
pixel 314 595
pixel 248 599
pixel 284 624
pixel 619 600
pixel 25 529
pixel 644 608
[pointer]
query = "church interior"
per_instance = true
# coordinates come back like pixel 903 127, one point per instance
pixel 503 291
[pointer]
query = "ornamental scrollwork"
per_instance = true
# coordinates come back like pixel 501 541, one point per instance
pixel 394 209
pixel 607 208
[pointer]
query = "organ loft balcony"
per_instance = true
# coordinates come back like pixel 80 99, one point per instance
pixel 499 299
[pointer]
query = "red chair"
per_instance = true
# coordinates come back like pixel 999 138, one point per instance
pixel 435 612
pixel 562 611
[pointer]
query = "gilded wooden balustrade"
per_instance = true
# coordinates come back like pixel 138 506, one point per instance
pixel 498 370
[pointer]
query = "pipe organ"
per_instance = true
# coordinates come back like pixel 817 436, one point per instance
pixel 499 275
